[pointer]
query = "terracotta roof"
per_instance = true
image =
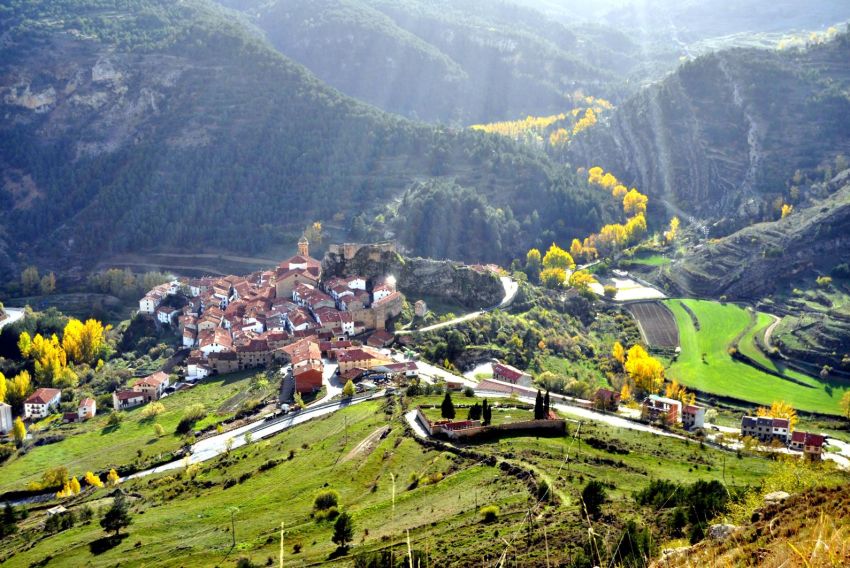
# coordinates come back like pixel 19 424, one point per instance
pixel 154 380
pixel 352 374
pixel 816 440
pixel 507 371
pixel 128 394
pixel 43 396
pixel 87 403
pixel 388 299
pixel 357 354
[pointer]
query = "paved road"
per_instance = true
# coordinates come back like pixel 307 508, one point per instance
pixel 12 315
pixel 511 288
pixel 214 446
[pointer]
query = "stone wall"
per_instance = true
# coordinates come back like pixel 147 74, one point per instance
pixel 416 277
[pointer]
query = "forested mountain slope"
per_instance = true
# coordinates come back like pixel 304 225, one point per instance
pixel 454 61
pixel 154 125
pixel 723 136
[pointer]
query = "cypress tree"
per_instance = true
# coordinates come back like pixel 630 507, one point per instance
pixel 447 408
pixel 538 406
pixel 546 405
pixel 486 413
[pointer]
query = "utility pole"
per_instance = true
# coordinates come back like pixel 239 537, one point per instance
pixel 233 526
pixel 282 524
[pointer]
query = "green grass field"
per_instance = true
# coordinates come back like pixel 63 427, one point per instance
pixel 184 518
pixel 706 365
pixel 500 415
pixel 92 446
pixel 650 260
pixel 179 521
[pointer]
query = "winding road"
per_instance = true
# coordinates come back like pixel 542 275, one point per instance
pixel 511 288
pixel 214 446
pixel 12 315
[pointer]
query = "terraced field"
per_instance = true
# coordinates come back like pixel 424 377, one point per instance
pixel 657 324
pixel 705 364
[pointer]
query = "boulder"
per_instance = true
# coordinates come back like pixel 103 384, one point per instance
pixel 775 497
pixel 720 532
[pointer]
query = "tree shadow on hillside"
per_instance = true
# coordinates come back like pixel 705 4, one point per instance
pixel 339 552
pixel 106 543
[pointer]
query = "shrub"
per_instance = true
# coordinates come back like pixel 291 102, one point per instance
pixel 489 514
pixel 326 514
pixel 593 495
pixel 325 500
pixel 153 409
pixel 824 281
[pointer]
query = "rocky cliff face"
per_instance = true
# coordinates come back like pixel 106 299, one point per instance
pixel 721 137
pixel 753 262
pixel 418 276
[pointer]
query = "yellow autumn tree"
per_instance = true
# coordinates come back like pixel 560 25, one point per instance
pixel 93 480
pixel 18 388
pixel 780 409
pixel 75 485
pixel 635 228
pixel 626 393
pixel 588 247
pixel 2 387
pixel 673 232
pixel 24 344
pixel 646 371
pixel 553 277
pixel 634 202
pixel 585 122
pixel 677 392
pixel 19 431
pixel 83 342
pixel 611 238
pixel 112 478
pixel 556 257
pixel 786 210
pixel 576 250
pixel 619 191
pixel 581 280
pixel 619 353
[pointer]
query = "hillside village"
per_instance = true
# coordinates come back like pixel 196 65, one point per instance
pixel 287 315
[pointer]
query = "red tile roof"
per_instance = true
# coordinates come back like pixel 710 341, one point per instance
pixel 43 396
pixel 503 370
pixel 127 395
pixel 154 380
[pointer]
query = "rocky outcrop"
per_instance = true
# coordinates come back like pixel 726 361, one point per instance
pixel 755 261
pixel 474 288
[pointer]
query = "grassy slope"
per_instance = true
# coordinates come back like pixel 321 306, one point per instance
pixel 722 375
pixel 93 446
pixel 184 522
pixel 194 530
